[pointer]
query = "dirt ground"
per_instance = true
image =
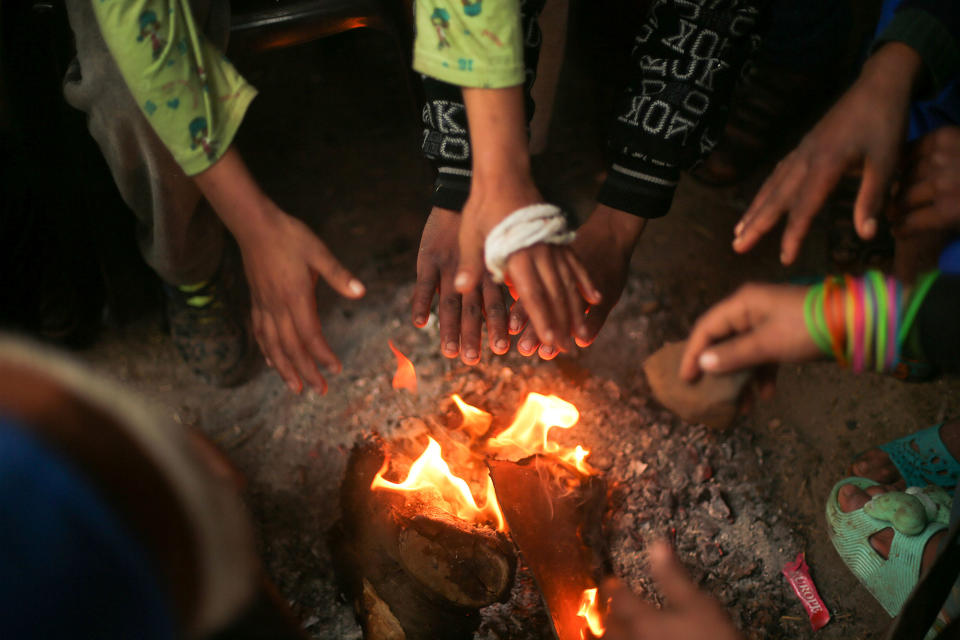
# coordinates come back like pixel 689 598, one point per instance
pixel 339 149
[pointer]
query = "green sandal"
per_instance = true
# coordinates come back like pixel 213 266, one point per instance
pixel 915 516
pixel 923 459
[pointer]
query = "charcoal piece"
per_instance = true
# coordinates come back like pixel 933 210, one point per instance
pixel 413 571
pixel 712 400
pixel 554 515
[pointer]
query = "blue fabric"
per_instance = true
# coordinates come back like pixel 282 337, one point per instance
pixel 926 115
pixel 950 259
pixel 68 568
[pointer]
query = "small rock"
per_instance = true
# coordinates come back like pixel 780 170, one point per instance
pixel 636 467
pixel 613 391
pixel 774 424
pixel 717 507
pixel 649 306
pixel 710 554
pixel 279 432
pixel 702 473
pixel 712 400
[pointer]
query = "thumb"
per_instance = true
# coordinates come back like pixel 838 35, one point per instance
pixel 336 275
pixel 877 173
pixel 471 266
pixel 669 575
pixel 738 353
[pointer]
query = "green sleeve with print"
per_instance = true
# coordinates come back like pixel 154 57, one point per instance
pixel 470 43
pixel 189 92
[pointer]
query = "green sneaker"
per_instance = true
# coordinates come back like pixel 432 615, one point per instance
pixel 208 332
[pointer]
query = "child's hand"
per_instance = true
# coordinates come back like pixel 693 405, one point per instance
pixel 758 324
pixel 604 246
pixel 689 614
pixel 864 130
pixel 282 259
pixel 461 315
pixel 282 267
pixel 929 197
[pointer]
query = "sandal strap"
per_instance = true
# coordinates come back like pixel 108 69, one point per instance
pixel 889 580
pixel 929 463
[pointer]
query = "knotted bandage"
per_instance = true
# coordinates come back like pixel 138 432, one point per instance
pixel 524 228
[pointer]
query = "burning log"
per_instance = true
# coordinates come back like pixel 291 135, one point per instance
pixel 413 570
pixel 554 514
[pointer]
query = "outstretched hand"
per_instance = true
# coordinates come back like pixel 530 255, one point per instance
pixel 283 260
pixel 604 245
pixel 759 324
pixel 282 268
pixel 689 614
pixel 929 197
pixel 863 131
pixel 460 315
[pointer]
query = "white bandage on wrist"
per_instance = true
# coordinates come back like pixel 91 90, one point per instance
pixel 524 228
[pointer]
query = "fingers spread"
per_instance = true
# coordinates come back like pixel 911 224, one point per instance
pixel 449 313
pixel 518 318
pixel 585 285
pixel 528 342
pixel 471 320
pixel 271 340
pixel 811 197
pixel 877 172
pixel 307 326
pixel 495 311
pixel 428 282
pixel 546 265
pixel 336 275
pixel 292 346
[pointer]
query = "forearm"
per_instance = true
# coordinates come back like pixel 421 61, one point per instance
pixel 893 71
pixel 236 198
pixel 498 135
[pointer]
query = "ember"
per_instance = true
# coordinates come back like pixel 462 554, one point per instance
pixel 406 375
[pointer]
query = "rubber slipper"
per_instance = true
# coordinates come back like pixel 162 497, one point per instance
pixel 889 580
pixel 923 459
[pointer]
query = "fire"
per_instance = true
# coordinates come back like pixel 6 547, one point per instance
pixel 430 472
pixel 529 433
pixel 406 375
pixel 590 612
pixel 475 421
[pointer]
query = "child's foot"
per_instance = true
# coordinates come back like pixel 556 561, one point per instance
pixel 851 498
pixel 208 332
pixel 877 465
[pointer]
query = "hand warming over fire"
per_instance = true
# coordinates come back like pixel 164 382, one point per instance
pixel 759 324
pixel 604 245
pixel 282 259
pixel 506 227
pixel 689 614
pixel 461 315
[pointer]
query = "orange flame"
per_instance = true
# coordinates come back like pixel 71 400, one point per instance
pixel 430 472
pixel 406 375
pixel 475 421
pixel 590 612
pixel 529 433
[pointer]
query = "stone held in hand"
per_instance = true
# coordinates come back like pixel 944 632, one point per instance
pixel 712 400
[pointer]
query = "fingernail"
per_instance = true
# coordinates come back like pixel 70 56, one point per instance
pixel 471 354
pixel 356 287
pixel 420 321
pixel 269 362
pixel 783 257
pixel 737 230
pixel 708 360
pixel 514 325
pixel 597 295
pixel 451 347
pixel 869 227
pixel 502 345
pixel 461 280
pixel 526 346
pixel 584 333
pixel 548 337
pixel 860 468
pixel 548 351
pixel 295 387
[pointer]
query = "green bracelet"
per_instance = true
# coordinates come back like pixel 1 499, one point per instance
pixel 879 288
pixel 916 301
pixel 811 317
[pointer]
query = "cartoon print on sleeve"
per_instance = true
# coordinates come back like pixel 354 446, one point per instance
pixel 440 19
pixel 472 7
pixel 150 28
pixel 198 137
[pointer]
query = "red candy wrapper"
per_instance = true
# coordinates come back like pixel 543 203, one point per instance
pixel 797 574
